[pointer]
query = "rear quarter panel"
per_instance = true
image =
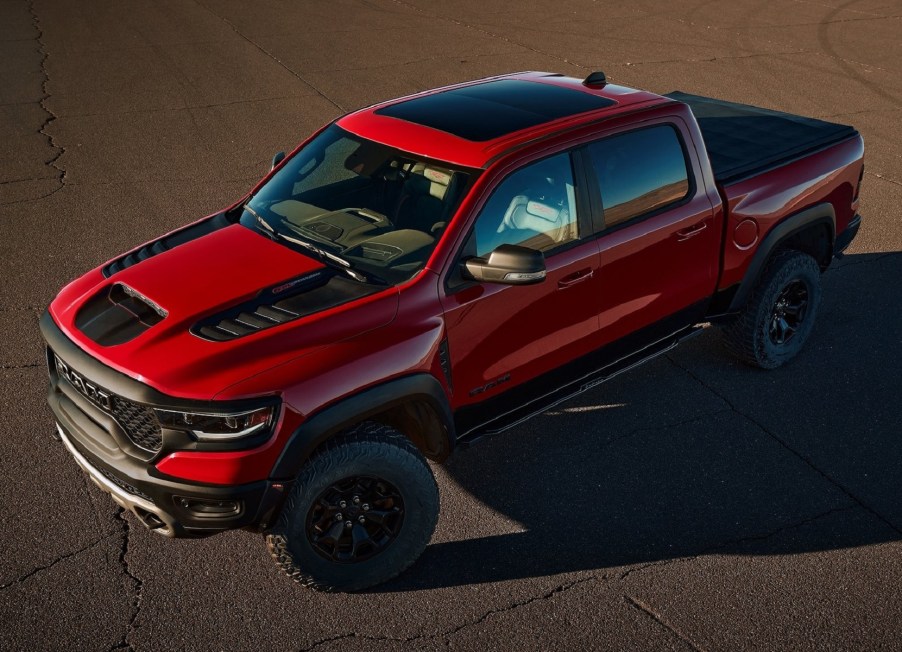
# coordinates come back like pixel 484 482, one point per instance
pixel 830 175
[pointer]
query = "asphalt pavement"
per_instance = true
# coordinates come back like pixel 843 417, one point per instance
pixel 693 503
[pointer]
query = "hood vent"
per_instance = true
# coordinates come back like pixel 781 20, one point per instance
pixel 167 242
pixel 283 303
pixel 118 314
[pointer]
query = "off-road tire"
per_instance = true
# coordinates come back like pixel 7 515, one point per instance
pixel 369 449
pixel 749 338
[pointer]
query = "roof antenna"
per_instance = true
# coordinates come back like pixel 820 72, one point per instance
pixel 596 78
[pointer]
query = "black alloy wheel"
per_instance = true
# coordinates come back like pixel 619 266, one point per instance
pixel 355 519
pixel 788 312
pixel 361 511
pixel 779 315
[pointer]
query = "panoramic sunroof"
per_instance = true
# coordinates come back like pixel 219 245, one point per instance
pixel 494 109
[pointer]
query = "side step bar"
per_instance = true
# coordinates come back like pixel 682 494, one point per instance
pixel 549 400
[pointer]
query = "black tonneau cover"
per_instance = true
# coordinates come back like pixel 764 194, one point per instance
pixel 743 140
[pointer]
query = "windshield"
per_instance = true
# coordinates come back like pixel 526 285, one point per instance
pixel 371 208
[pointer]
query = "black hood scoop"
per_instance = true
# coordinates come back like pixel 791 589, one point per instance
pixel 117 314
pixel 293 299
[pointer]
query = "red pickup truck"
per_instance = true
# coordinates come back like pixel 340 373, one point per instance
pixel 422 273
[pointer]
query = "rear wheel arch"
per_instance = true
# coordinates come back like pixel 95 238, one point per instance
pixel 414 405
pixel 811 231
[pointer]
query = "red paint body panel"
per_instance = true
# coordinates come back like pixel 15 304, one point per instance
pixel 231 468
pixel 197 279
pixel 522 332
pixel 830 176
pixel 640 274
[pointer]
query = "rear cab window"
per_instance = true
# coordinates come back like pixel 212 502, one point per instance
pixel 640 172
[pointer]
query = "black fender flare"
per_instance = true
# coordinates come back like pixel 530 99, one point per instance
pixel 819 214
pixel 356 408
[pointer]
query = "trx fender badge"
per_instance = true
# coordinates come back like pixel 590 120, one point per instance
pixel 490 385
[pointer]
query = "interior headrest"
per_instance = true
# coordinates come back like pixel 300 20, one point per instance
pixel 544 211
pixel 437 176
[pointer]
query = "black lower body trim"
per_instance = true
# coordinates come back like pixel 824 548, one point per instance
pixel 844 239
pixel 539 394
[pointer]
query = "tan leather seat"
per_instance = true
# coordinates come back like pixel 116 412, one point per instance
pixel 422 204
pixel 525 214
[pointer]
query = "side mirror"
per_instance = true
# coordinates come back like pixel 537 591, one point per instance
pixel 508 264
pixel 277 159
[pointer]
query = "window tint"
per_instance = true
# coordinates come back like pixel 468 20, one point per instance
pixel 639 172
pixel 534 207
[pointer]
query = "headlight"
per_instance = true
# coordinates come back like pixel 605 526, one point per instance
pixel 217 426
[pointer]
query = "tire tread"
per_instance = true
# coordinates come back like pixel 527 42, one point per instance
pixel 366 437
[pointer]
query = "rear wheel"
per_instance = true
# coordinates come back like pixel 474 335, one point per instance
pixel 778 318
pixel 362 510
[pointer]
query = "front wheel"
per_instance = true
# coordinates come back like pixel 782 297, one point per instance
pixel 778 318
pixel 362 510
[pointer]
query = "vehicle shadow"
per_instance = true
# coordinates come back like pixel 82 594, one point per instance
pixel 695 454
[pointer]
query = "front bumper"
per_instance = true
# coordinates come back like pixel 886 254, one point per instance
pixel 145 510
pixel 168 505
pixel 176 509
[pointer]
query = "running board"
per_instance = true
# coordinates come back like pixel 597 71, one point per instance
pixel 547 401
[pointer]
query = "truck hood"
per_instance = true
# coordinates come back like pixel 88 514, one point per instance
pixel 211 312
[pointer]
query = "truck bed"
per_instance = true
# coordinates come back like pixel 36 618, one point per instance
pixel 743 140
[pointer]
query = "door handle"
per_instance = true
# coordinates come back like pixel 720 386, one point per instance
pixel 576 277
pixel 693 230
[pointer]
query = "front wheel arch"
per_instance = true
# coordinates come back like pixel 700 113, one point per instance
pixel 414 405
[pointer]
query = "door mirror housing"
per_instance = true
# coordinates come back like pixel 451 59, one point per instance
pixel 276 160
pixel 508 264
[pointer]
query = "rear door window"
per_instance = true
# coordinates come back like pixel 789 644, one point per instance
pixel 640 172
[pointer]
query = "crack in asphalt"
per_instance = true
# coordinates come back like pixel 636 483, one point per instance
pixel 124 643
pixel 784 528
pixel 883 178
pixel 12 181
pixel 51 116
pixel 30 365
pixel 649 611
pixel 68 555
pixel 836 483
pixel 273 57
pixel 547 595
pixel 739 541
pixel 654 564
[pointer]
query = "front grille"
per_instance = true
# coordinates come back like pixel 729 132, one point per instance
pixel 139 422
pixel 122 484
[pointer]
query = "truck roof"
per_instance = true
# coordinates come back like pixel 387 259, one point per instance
pixel 471 123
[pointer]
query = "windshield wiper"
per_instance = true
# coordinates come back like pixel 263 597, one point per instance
pixel 329 259
pixel 260 221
